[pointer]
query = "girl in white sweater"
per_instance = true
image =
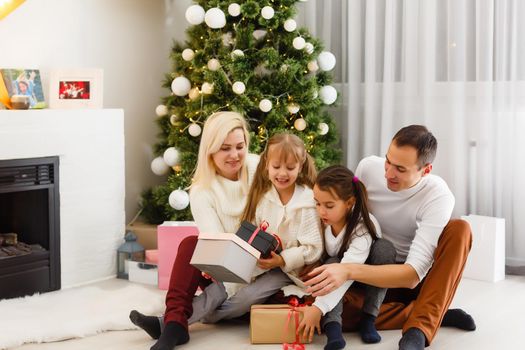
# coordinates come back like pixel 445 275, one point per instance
pixel 281 195
pixel 349 231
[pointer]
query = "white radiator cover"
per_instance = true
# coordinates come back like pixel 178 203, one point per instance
pixel 90 145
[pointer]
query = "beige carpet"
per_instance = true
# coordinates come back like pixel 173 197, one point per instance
pixel 76 312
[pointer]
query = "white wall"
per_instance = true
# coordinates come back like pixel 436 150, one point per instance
pixel 128 39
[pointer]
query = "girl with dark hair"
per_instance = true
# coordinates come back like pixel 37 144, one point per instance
pixel 349 233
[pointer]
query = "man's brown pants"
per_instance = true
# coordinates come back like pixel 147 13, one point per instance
pixel 424 306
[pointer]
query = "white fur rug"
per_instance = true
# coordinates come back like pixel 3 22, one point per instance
pixel 76 312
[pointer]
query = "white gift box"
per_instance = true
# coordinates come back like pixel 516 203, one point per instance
pixel 225 256
pixel 143 272
pixel 486 260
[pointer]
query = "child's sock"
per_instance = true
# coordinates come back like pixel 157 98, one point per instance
pixel 367 329
pixel 413 339
pixel 150 324
pixel 173 334
pixel 334 335
pixel 459 319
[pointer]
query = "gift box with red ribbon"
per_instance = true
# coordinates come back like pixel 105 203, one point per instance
pixel 258 238
pixel 276 324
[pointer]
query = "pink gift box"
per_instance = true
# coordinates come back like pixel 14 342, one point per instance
pixel 169 236
pixel 152 256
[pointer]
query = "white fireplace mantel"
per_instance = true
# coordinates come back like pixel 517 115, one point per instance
pixel 90 146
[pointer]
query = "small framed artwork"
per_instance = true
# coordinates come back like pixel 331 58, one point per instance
pixel 76 88
pixel 21 88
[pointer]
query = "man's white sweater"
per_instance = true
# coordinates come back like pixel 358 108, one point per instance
pixel 411 219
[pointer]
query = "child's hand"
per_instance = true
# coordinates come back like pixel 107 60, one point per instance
pixel 275 260
pixel 310 322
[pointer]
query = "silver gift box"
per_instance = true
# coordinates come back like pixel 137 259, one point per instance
pixel 225 257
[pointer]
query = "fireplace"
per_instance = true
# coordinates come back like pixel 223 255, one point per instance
pixel 29 226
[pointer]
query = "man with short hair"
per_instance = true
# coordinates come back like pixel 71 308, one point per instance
pixel 413 208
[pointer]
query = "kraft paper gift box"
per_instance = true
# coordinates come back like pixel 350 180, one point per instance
pixel 486 260
pixel 259 239
pixel 142 272
pixel 146 234
pixel 275 324
pixel 225 257
pixel 169 236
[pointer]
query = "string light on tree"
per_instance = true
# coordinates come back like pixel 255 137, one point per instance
pixel 171 156
pixel 290 25
pixel 194 129
pixel 300 124
pixel 267 12
pixel 180 86
pixel 161 110
pixel 214 64
pixel 159 166
pixel 323 128
pixel 215 18
pixel 265 105
pixel 234 9
pixel 239 87
pixel 195 14
pixel 188 54
pixel 179 199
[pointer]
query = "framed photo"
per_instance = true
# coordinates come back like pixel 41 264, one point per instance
pixel 21 83
pixel 76 88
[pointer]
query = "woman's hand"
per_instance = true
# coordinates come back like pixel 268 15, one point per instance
pixel 326 278
pixel 303 275
pixel 310 322
pixel 275 260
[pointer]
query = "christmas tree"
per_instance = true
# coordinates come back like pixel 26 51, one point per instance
pixel 246 56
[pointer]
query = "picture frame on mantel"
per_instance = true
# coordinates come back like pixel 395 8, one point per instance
pixel 76 88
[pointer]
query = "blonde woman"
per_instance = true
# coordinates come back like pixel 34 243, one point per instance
pixel 217 198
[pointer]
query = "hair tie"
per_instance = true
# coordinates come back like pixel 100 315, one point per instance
pixel 355 179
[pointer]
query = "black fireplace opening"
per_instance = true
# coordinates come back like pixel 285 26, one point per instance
pixel 29 226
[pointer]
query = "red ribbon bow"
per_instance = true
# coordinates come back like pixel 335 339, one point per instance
pixel 296 345
pixel 263 226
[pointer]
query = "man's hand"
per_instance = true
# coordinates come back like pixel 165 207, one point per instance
pixel 275 260
pixel 327 278
pixel 310 322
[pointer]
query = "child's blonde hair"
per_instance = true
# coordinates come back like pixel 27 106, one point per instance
pixel 215 131
pixel 284 146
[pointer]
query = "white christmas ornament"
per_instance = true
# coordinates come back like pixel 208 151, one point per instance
pixel 258 34
pixel 267 12
pixel 298 43
pixel 323 128
pixel 300 124
pixel 188 54
pixel 328 94
pixel 239 87
pixel 293 108
pixel 194 130
pixel 207 88
pixel 313 66
pixel 234 9
pixel 179 199
pixel 180 86
pixel 227 39
pixel 194 93
pixel 173 119
pixel 159 166
pixel 265 105
pixel 171 156
pixel 237 53
pixel 214 64
pixel 215 18
pixel 290 25
pixel 195 14
pixel 326 60
pixel 161 110
pixel 309 48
